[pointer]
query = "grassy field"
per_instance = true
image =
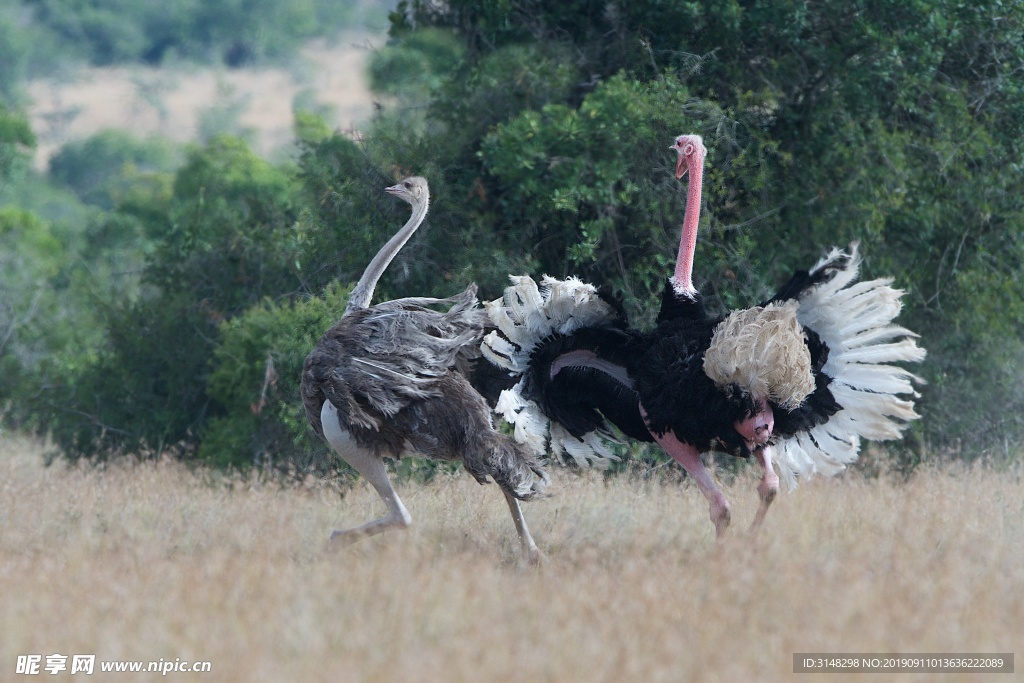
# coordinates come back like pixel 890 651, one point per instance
pixel 153 561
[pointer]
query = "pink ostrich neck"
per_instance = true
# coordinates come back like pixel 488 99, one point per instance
pixel 682 281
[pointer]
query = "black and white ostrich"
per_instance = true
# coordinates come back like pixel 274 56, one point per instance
pixel 391 380
pixel 797 380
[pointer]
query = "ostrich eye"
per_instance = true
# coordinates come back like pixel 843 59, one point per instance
pixel 407 185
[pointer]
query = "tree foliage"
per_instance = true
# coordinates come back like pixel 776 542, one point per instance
pixel 104 166
pixel 16 139
pixel 29 256
pixel 543 129
pixel 221 237
pixel 232 32
pixel 256 368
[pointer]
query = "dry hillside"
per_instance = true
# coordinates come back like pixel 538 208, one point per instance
pixel 171 101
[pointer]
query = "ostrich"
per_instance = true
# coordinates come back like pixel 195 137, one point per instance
pixel 799 379
pixel 391 380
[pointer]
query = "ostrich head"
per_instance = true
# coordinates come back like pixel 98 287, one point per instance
pixel 413 190
pixel 756 429
pixel 691 151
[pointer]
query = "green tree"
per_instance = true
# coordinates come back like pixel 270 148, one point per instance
pixel 223 240
pixel 229 31
pixel 29 256
pixel 16 139
pixel 543 129
pixel 38 323
pixel 255 373
pixel 104 166
pixel 897 124
pixel 415 65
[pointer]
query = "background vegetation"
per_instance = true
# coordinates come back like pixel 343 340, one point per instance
pixel 38 36
pixel 147 291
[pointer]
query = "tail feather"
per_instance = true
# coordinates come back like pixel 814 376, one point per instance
pixel 525 316
pixel 530 424
pixel 591 450
pixel 536 433
pixel 879 335
pixel 885 413
pixel 904 350
pixel 855 320
pixel 499 350
pixel 874 379
pixel 512 468
pixel 572 304
pixel 525 305
pixel 830 453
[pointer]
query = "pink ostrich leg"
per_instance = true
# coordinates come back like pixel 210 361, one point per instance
pixel 689 457
pixel 757 430
pixel 768 487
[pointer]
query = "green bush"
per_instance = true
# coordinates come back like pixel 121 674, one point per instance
pixel 416 64
pixel 256 368
pixel 223 238
pixel 38 317
pixel 30 256
pixel 16 139
pixel 104 166
pixel 543 129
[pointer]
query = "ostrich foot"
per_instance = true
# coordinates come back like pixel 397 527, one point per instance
pixel 767 489
pixel 400 519
pixel 721 517
pixel 534 557
pixel 343 537
pixel 531 553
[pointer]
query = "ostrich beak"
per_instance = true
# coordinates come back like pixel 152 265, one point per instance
pixel 681 168
pixel 394 189
pixel 757 429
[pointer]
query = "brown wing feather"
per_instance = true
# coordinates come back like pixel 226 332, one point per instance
pixel 375 361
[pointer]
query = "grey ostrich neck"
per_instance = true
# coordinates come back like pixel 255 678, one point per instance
pixel 362 293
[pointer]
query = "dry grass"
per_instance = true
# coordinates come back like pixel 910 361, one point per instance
pixel 153 561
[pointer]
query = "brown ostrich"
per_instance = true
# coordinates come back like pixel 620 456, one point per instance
pixel 392 380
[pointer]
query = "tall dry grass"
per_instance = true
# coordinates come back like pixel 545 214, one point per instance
pixel 150 561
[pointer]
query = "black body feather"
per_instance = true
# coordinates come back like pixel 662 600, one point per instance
pixel 666 368
pixel 582 398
